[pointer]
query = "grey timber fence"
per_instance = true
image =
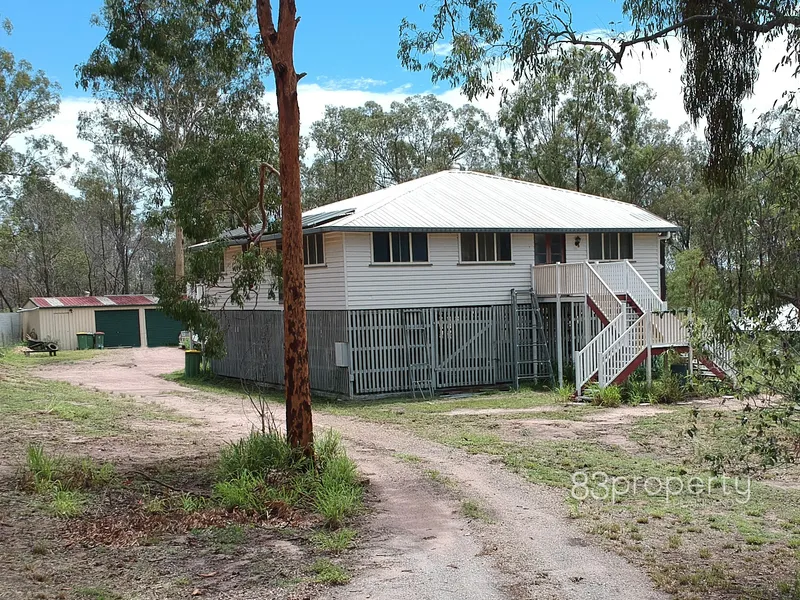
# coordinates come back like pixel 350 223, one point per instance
pixel 254 343
pixel 10 329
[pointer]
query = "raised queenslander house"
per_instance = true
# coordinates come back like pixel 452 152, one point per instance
pixel 461 279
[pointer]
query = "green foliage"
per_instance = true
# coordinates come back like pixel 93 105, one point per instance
pixel 66 503
pixel 42 467
pixel 334 541
pixel 606 397
pixel 262 472
pixel 693 283
pixel 329 573
pixel 564 393
pixel 480 41
pixel 366 148
pixel 667 389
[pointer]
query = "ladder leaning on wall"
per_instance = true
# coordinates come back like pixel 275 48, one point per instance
pixel 417 334
pixel 531 353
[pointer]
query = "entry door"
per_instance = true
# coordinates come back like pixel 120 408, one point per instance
pixel 120 326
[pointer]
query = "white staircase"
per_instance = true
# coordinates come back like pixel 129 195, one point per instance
pixel 636 322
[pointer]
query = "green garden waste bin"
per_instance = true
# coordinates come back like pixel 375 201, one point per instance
pixel 192 363
pixel 85 340
pixel 99 339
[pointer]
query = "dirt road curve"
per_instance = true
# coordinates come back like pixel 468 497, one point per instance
pixel 418 546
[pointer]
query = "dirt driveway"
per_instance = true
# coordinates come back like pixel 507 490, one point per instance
pixel 418 544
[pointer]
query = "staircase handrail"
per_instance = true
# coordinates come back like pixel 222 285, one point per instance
pixel 587 359
pixel 644 295
pixel 605 299
pixel 623 351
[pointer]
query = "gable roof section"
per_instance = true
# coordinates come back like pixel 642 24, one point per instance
pixel 469 201
pixel 93 301
pixel 454 201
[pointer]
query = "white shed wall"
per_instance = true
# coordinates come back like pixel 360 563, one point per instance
pixel 441 282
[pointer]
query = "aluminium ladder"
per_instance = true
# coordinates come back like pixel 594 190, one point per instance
pixel 417 334
pixel 531 359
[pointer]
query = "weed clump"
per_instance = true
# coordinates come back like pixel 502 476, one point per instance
pixel 605 397
pixel 262 473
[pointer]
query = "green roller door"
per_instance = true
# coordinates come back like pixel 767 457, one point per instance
pixel 120 326
pixel 161 329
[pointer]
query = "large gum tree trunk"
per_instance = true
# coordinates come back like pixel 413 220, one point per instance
pixel 279 46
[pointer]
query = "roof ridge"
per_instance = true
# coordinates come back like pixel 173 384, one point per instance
pixel 548 187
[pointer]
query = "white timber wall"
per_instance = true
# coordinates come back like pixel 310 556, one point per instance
pixel 440 282
pixel 645 255
pixel 325 287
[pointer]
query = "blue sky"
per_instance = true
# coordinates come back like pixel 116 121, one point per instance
pixel 348 49
pixel 338 43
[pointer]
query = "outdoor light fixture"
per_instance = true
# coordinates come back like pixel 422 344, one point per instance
pixel 577 241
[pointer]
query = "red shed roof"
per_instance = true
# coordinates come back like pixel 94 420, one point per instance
pixel 94 301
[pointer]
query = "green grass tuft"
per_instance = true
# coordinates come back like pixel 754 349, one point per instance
pixel 334 541
pixel 329 573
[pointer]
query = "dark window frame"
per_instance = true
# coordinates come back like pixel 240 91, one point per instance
pixel 611 244
pixel 482 249
pixel 404 243
pixel 549 253
pixel 317 240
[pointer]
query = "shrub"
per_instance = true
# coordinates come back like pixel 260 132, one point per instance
pixel 42 467
pixel 259 454
pixel 564 393
pixel 667 389
pixel 637 392
pixel 261 470
pixel 606 397
pixel 66 503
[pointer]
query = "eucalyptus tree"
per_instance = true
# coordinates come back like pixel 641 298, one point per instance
pixel 164 65
pixel 278 45
pixel 113 187
pixel 27 99
pixel 342 166
pixel 721 44
pixel 362 149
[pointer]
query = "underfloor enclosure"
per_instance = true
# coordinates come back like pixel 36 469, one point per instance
pixel 417 350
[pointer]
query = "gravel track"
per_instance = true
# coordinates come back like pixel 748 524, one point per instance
pixel 417 544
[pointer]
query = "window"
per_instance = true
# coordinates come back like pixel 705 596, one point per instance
pixel 610 246
pixel 485 247
pixel 549 248
pixel 313 249
pixel 399 247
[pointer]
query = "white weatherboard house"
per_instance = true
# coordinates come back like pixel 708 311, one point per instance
pixel 461 279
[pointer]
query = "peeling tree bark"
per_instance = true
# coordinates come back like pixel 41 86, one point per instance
pixel 279 47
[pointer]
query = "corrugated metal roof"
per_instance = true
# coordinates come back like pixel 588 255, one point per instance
pixel 94 301
pixel 468 201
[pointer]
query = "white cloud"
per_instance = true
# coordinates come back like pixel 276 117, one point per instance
pixel 660 69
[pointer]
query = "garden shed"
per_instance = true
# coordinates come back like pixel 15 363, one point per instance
pixel 127 321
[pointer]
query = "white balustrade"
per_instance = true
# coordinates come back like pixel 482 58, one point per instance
pixel 623 351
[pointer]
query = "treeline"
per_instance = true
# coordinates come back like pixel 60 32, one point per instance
pixel 181 132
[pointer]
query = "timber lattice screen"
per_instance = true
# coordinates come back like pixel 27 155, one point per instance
pixel 468 346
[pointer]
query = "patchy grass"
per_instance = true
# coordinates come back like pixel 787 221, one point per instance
pixel 473 510
pixel 329 573
pixel 262 472
pixel 748 529
pixel 34 402
pixel 15 358
pixel 334 541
